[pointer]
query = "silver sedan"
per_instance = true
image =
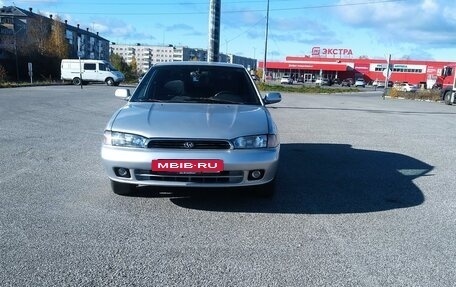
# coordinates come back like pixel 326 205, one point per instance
pixel 193 124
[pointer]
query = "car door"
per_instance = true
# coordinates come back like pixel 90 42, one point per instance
pixel 90 72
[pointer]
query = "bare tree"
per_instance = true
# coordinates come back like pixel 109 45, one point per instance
pixel 56 44
pixel 38 31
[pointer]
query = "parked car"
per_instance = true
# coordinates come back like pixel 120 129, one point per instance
pixel 286 80
pixel 406 87
pixel 360 83
pixel 192 124
pixel 86 70
pixel 322 81
pixel 378 83
pixel 345 83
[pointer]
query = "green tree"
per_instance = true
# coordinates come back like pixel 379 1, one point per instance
pixel 119 63
pixel 134 67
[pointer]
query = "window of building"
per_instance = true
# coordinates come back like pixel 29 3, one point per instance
pixel 6 20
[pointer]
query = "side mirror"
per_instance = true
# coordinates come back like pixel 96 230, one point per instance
pixel 272 98
pixel 122 93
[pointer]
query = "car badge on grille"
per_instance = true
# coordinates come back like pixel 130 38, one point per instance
pixel 189 145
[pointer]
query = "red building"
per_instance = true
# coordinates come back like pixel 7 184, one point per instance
pixel 333 66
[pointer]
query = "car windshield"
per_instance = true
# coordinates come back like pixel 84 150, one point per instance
pixel 110 67
pixel 197 84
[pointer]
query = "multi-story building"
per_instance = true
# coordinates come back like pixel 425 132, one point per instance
pixel 148 55
pixel 144 55
pixel 23 30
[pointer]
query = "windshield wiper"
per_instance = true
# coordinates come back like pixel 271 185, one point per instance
pixel 211 100
pixel 149 100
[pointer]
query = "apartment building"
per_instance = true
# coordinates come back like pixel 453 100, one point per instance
pixel 148 55
pixel 145 55
pixel 16 23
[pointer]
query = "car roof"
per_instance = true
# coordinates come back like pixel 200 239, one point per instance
pixel 199 63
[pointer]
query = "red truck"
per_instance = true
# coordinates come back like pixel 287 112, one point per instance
pixel 448 92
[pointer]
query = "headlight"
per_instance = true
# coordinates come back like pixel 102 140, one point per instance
pixel 123 139
pixel 258 141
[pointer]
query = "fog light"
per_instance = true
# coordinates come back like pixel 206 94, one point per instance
pixel 256 174
pixel 122 172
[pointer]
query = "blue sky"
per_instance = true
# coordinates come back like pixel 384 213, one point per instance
pixel 413 29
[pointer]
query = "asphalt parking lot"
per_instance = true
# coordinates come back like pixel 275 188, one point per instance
pixel 366 197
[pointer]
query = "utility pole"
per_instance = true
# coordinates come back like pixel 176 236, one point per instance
pixel 266 44
pixel 214 31
pixel 387 76
pixel 80 62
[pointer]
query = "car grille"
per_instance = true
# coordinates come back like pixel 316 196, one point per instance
pixel 189 144
pixel 221 177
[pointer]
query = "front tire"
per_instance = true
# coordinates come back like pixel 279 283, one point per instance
pixel 76 81
pixel 447 98
pixel 121 188
pixel 109 82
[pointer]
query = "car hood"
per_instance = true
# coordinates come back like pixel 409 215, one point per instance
pixel 177 120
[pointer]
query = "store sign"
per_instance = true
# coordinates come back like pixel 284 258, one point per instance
pixel 317 51
pixel 400 66
pixel 300 66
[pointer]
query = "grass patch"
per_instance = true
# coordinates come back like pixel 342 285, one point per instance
pixel 27 84
pixel 423 95
pixel 304 89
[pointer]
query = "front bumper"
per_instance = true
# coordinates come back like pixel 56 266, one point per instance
pixel 237 166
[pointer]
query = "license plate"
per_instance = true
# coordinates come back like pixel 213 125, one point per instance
pixel 187 165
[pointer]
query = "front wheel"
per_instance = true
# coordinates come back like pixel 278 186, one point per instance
pixel 121 188
pixel 109 82
pixel 76 81
pixel 447 98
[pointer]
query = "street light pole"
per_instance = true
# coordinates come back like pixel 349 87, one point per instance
pixel 80 62
pixel 214 31
pixel 15 55
pixel 266 43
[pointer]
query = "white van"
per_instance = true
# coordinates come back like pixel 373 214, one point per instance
pixel 84 71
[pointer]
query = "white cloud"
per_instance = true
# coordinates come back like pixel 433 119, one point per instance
pixel 430 5
pixel 422 24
